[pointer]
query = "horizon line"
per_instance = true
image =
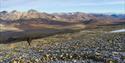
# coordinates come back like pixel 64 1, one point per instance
pixel 65 11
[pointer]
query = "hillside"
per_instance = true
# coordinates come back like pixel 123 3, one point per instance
pixel 20 26
pixel 98 45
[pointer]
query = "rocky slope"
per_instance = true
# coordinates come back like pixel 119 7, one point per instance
pixel 80 47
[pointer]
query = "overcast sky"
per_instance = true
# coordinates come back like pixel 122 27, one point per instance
pixel 89 6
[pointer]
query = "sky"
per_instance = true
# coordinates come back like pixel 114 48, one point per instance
pixel 51 6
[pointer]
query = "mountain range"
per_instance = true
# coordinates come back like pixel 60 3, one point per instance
pixel 69 17
pixel 33 18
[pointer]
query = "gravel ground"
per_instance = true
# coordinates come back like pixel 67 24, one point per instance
pixel 84 47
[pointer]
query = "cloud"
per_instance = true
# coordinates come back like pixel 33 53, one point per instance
pixel 60 5
pixel 93 3
pixel 77 3
pixel 10 3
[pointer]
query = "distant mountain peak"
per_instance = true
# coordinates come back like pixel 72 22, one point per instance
pixel 3 12
pixel 14 11
pixel 32 11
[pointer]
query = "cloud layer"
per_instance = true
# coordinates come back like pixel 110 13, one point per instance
pixel 115 6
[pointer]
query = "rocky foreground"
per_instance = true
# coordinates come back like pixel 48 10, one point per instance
pixel 80 47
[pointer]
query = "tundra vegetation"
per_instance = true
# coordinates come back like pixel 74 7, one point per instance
pixel 89 45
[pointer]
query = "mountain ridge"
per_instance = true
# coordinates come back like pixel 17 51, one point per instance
pixel 74 17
